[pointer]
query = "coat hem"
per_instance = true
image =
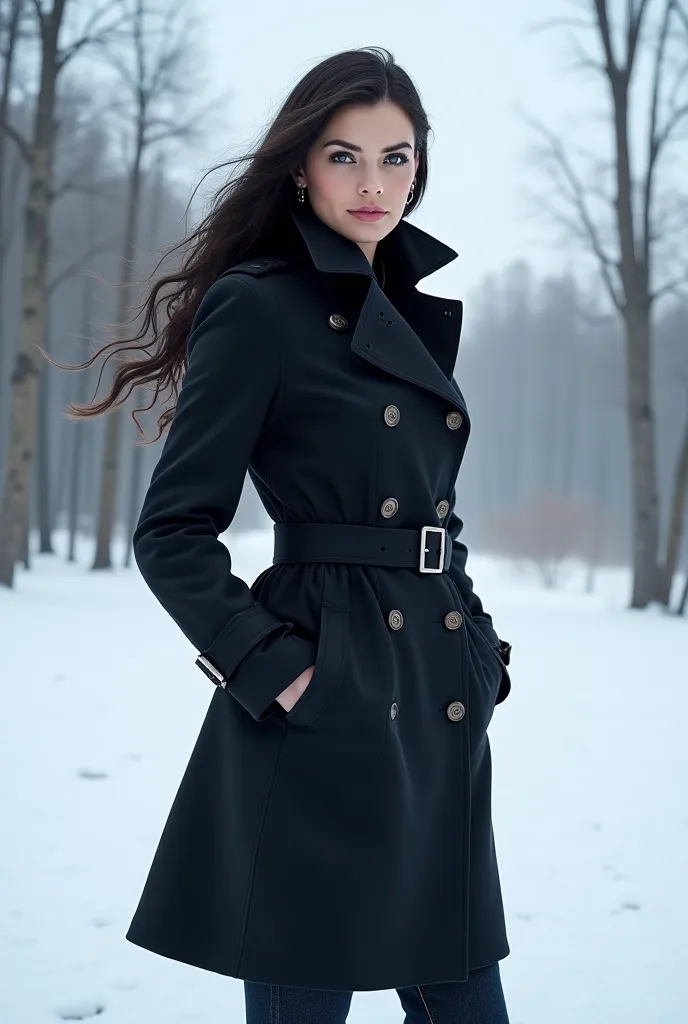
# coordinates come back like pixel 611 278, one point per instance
pixel 356 984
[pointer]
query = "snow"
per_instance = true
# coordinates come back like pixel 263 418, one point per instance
pixel 102 705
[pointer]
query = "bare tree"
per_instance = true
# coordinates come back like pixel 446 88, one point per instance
pixel 630 229
pixel 10 18
pixel 10 170
pixel 677 517
pixel 154 69
pixel 38 153
pixel 137 454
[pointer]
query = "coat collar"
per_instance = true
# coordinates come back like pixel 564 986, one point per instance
pixel 409 253
pixel 419 345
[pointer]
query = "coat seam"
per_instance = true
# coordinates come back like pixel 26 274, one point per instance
pixel 256 855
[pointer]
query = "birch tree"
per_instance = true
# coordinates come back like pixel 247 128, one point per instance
pixel 634 231
pixel 38 154
pixel 153 62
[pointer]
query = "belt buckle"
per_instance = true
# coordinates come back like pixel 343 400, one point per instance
pixel 423 535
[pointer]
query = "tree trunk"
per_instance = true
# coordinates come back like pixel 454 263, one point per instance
pixel 14 510
pixel 681 610
pixel 677 516
pixel 108 488
pixel 10 41
pixel 645 503
pixel 43 494
pixel 134 498
pixel 78 426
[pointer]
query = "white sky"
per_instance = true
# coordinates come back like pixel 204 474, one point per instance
pixel 475 65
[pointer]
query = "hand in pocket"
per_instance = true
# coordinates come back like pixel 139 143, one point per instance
pixel 289 697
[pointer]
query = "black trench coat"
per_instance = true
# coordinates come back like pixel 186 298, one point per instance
pixel 347 844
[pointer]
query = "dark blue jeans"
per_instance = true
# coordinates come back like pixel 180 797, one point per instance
pixel 478 1000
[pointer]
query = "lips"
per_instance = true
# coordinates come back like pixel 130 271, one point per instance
pixel 366 215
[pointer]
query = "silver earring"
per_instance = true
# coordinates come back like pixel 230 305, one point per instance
pixel 302 193
pixel 410 195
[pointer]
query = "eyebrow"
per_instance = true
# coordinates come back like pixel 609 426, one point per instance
pixel 350 145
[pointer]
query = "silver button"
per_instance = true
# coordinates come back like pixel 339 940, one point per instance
pixel 338 322
pixel 394 711
pixel 395 619
pixel 389 507
pixel 454 419
pixel 456 711
pixel 453 620
pixel 442 508
pixel 392 415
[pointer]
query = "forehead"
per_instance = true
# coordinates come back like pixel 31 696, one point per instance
pixel 370 125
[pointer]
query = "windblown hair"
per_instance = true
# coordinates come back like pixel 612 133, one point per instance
pixel 246 212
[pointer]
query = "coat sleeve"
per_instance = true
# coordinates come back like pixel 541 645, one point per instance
pixel 457 571
pixel 229 395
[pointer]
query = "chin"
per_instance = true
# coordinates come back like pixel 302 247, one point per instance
pixel 373 232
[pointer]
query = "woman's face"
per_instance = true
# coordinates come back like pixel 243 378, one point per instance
pixel 364 157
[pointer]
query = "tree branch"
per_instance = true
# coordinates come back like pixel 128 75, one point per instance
pixel 577 197
pixel 88 37
pixel 670 286
pixel 72 268
pixel 21 143
pixel 605 33
pixel 635 20
pixel 654 145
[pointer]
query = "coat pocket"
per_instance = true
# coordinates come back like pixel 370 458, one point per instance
pixel 330 665
pixel 502 673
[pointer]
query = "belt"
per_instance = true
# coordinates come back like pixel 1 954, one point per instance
pixel 390 546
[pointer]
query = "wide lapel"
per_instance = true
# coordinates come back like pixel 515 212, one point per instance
pixel 382 335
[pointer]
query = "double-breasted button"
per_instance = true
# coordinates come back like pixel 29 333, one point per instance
pixel 442 508
pixel 453 620
pixel 338 322
pixel 392 415
pixel 456 711
pixel 394 711
pixel 389 507
pixel 454 419
pixel 395 619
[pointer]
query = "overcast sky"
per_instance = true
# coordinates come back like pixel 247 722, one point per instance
pixel 475 64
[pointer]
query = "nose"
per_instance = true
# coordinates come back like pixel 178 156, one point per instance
pixel 371 186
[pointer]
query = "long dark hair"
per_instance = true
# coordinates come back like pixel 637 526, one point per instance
pixel 245 213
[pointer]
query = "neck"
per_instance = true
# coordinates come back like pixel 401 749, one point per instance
pixel 368 249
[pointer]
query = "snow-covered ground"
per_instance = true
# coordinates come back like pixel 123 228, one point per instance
pixel 102 705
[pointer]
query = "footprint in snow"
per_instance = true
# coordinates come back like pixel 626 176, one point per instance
pixel 79 1010
pixel 625 906
pixel 91 773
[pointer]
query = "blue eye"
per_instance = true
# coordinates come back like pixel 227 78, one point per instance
pixel 403 159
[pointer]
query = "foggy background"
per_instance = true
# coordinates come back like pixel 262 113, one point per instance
pixel 541 360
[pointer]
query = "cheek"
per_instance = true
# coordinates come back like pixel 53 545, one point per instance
pixel 403 182
pixel 327 181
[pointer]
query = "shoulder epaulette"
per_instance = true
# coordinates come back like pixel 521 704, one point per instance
pixel 256 267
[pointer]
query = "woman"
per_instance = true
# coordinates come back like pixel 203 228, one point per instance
pixel 332 831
